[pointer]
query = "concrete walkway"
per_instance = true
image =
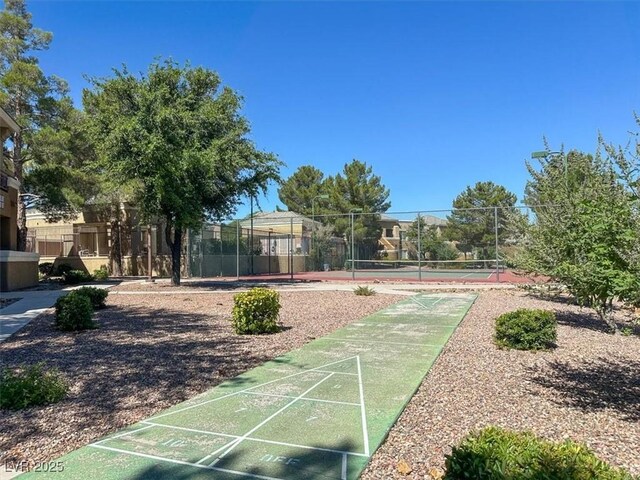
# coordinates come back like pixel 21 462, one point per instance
pixel 31 303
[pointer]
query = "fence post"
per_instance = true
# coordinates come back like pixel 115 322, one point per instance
pixel 188 245
pixel 353 265
pixel 238 250
pixel 497 243
pixel 291 248
pixel 419 248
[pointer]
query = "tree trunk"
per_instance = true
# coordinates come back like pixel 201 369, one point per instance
pixel 605 312
pixel 175 244
pixel 22 208
pixel 116 247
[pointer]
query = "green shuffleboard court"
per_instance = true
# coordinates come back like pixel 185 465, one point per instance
pixel 318 412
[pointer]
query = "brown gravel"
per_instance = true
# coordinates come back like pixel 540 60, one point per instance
pixel 151 352
pixel 587 389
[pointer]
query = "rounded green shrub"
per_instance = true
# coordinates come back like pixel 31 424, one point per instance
pixel 29 386
pixel 101 274
pixel 498 454
pixel 526 329
pixel 73 277
pixel 61 269
pixel 46 268
pixel 256 311
pixel 74 312
pixel 98 296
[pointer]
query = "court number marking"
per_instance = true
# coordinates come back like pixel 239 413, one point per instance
pixel 280 459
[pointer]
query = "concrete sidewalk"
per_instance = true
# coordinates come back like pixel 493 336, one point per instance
pixel 31 304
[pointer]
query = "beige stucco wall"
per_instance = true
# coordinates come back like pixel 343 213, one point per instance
pixel 18 270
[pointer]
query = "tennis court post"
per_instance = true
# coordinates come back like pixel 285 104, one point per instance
pixel 419 248
pixel 291 248
pixel 495 212
pixel 238 250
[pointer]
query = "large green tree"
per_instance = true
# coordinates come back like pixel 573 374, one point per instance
pixel 472 220
pixel 299 191
pixel 585 229
pixel 177 134
pixel 60 172
pixel 34 99
pixel 358 188
pixel 427 240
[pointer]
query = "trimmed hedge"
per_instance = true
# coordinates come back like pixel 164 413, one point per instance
pixel 74 312
pixel 256 311
pixel 30 386
pixel 498 454
pixel 526 329
pixel 98 296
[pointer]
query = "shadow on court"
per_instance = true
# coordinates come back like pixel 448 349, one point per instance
pixel 306 466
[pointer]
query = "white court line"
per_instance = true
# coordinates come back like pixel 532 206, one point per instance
pixel 181 462
pixel 259 440
pixel 278 413
pixel 377 341
pixel 344 468
pixel 214 452
pixel 365 432
pixel 426 307
pixel 305 398
pixel 337 373
pixel 250 388
pixel 123 434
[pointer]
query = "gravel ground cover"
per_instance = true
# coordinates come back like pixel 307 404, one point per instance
pixel 151 352
pixel 587 389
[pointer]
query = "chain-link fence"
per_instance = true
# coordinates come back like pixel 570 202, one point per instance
pixel 469 244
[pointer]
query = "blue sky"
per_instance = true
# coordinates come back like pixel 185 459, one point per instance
pixel 434 95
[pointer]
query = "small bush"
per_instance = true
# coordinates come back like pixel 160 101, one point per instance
pixel 364 291
pixel 256 311
pixel 526 329
pixel 29 386
pixel 46 269
pixel 74 312
pixel 73 277
pixel 497 454
pixel 101 274
pixel 61 269
pixel 96 295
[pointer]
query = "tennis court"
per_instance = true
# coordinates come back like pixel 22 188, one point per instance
pixel 317 412
pixel 411 270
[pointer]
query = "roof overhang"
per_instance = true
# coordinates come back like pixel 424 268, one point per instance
pixel 7 121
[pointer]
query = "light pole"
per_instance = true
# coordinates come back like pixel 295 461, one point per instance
pixel 353 266
pixel 545 154
pixel 323 196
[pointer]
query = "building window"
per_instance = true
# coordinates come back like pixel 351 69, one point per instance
pixel 1 201
pixel 388 232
